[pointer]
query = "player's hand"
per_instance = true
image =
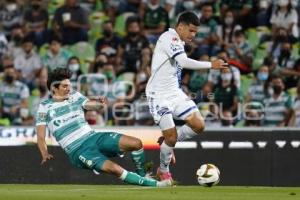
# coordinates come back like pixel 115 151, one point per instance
pixel 103 100
pixel 46 157
pixel 219 64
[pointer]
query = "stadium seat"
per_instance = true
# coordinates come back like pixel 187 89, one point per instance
pixel 252 37
pixel 246 81
pixel 53 5
pixel 259 55
pixel 96 19
pixel 85 52
pixel 121 22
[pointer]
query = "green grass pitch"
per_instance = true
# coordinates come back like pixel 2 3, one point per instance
pixel 126 192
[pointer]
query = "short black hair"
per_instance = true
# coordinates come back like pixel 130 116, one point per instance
pixel 58 75
pixel 188 18
pixel 132 19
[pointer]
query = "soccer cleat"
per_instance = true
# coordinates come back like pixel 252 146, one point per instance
pixel 164 175
pixel 165 183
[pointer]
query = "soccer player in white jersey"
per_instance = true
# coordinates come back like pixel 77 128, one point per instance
pixel 164 95
pixel 63 116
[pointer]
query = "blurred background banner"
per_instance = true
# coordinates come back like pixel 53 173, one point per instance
pixel 261 156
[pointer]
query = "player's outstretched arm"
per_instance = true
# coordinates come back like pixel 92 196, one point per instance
pixel 95 104
pixel 41 134
pixel 189 63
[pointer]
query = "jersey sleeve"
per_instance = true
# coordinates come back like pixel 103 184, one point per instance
pixel 41 115
pixel 172 46
pixel 80 98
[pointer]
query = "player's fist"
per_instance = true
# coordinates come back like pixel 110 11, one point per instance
pixel 219 64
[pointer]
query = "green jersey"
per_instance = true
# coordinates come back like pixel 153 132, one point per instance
pixel 65 121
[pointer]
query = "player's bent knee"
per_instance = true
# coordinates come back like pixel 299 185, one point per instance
pixel 137 144
pixel 171 140
pixel 198 127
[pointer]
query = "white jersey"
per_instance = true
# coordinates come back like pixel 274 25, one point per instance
pixel 165 71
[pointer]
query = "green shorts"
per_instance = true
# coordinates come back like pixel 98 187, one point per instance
pixel 96 150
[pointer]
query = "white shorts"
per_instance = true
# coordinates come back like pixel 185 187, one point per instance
pixel 178 104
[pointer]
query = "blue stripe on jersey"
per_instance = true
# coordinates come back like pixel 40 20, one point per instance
pixel 176 54
pixel 187 110
pixel 178 73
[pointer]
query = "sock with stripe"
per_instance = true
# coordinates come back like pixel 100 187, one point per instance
pixel 135 179
pixel 138 157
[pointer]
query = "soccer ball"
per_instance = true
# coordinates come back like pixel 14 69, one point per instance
pixel 208 175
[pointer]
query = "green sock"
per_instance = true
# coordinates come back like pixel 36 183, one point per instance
pixel 138 158
pixel 135 179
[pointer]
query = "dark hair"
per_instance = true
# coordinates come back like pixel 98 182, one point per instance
pixel 188 18
pixel 132 19
pixel 239 33
pixel 58 75
pixel 28 39
pixel 55 38
pixel 73 58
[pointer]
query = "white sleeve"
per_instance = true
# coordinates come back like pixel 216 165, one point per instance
pixel 188 63
pixel 41 115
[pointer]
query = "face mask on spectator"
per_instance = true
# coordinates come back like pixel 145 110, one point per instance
pixel 263 4
pixel 9 79
pixel 262 76
pixel 107 33
pixel 132 34
pixel 91 121
pixel 277 89
pixel 283 3
pixel 189 5
pixel 109 75
pixel 11 7
pixel 226 76
pixel 74 67
pixel 153 7
pixel 285 52
pixel 228 20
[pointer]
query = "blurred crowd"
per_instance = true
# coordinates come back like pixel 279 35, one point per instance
pixel 108 45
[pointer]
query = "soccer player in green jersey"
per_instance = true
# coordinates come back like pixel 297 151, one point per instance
pixel 63 116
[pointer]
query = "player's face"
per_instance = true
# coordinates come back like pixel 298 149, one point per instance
pixel 63 90
pixel 187 32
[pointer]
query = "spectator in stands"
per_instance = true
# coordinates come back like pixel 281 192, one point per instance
pixel 243 11
pixel 155 20
pixel 240 53
pixel 227 119
pixel 264 11
pixel 11 14
pixel 214 75
pixel 36 22
pixel 56 56
pixel 3 45
pixel 27 62
pixel 14 97
pixel 226 93
pixel 15 42
pixel 206 37
pixel 40 93
pixel 285 16
pixel 74 66
pixel 93 117
pixel 97 65
pixel 72 22
pixel 295 120
pixel 292 80
pixel 285 64
pixel 109 42
pixel 278 105
pixel 259 88
pixel 226 29
pixel 133 48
